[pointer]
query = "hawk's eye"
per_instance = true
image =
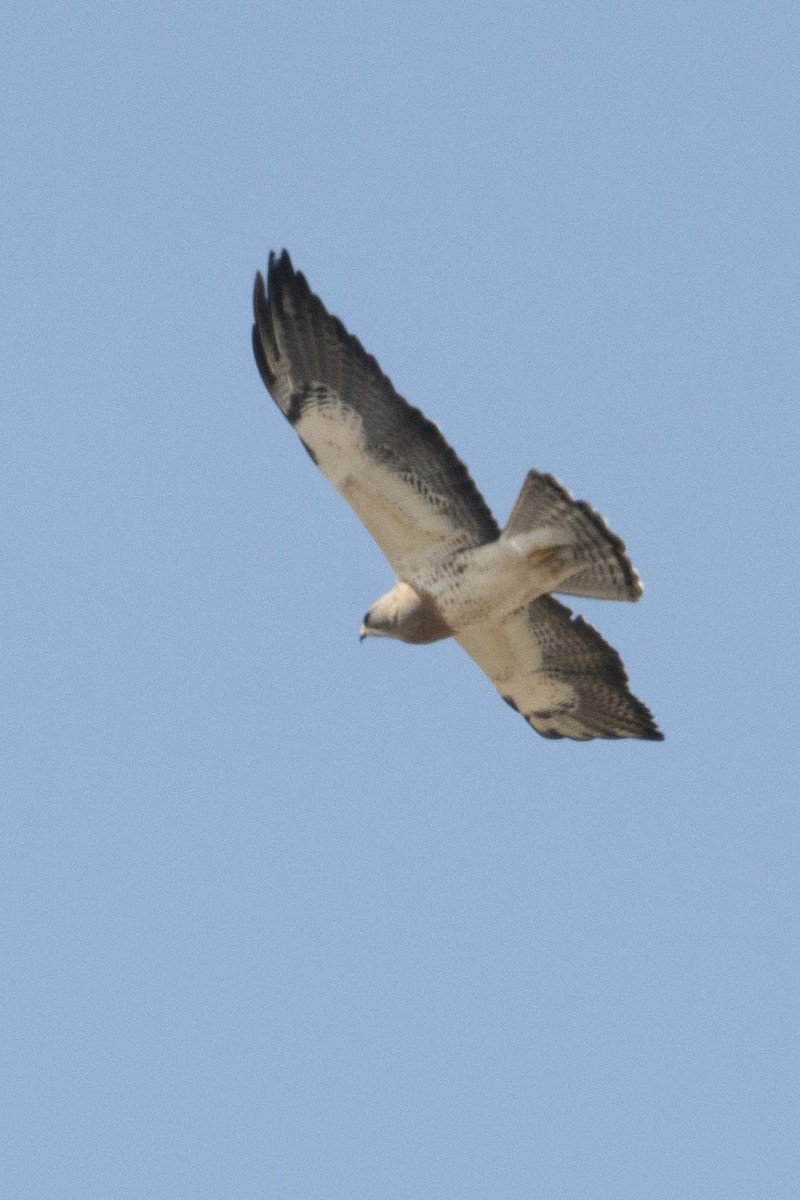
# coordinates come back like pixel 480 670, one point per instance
pixel 366 618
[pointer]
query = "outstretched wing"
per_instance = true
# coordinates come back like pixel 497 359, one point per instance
pixel 558 672
pixel 389 461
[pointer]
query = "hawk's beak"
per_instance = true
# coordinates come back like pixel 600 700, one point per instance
pixel 362 633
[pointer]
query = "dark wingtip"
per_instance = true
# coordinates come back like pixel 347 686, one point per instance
pixel 284 293
pixel 648 731
pixel 259 296
pixel 279 261
pixel 280 273
pixel 261 314
pixel 268 379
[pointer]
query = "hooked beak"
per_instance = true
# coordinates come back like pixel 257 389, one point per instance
pixel 362 633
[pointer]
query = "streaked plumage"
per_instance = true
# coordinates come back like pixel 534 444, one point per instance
pixel 457 574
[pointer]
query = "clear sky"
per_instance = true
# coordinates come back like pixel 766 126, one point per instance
pixel 285 916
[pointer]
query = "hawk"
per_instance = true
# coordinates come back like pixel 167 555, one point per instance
pixel 458 575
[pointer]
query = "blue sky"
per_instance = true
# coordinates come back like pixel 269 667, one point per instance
pixel 284 916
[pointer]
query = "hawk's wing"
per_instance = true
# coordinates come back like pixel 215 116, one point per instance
pixel 559 673
pixel 388 461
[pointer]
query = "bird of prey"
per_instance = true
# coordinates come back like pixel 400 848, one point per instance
pixel 458 575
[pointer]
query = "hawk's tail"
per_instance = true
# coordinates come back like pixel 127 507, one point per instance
pixel 603 569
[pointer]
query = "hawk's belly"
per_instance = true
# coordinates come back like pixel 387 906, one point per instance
pixel 490 581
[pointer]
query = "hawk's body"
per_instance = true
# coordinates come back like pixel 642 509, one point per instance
pixel 457 574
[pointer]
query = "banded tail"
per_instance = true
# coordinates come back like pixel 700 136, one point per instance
pixel 603 569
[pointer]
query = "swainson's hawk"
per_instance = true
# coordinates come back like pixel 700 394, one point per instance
pixel 457 574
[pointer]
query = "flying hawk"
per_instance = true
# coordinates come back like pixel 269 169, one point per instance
pixel 458 574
